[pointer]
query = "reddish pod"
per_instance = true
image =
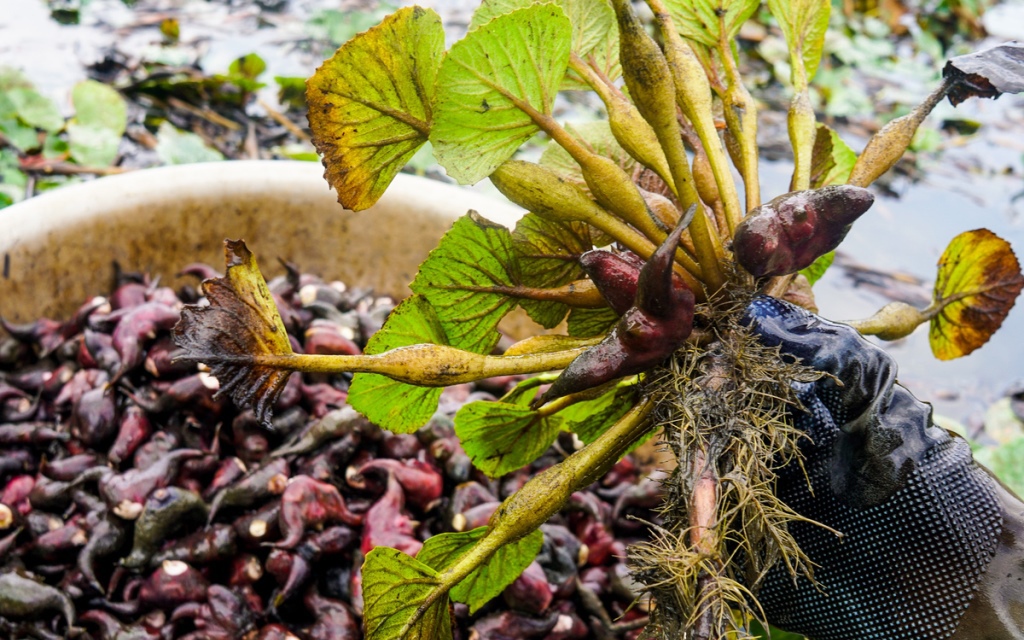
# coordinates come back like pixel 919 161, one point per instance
pixel 67 469
pixel 387 524
pixel 422 483
pixel 135 485
pixel 134 430
pixel 790 232
pixel 657 324
pixel 309 503
pixel 324 337
pixel 137 327
pixel 17 493
pixel 171 584
pixel 530 592
pixel 45 334
pixel 334 620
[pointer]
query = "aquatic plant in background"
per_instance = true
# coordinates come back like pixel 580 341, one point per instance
pixel 637 237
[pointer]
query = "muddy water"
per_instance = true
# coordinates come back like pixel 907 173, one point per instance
pixel 973 184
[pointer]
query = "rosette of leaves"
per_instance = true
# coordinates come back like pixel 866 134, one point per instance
pixel 650 336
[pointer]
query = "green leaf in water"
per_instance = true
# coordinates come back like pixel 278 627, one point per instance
pixel 491 85
pixel 501 437
pixel 181 147
pixel 489 579
pixel 395 586
pixel 394 405
pixel 36 110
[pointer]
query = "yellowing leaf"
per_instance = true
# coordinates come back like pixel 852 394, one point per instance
pixel 394 405
pixel 395 586
pixel 490 84
pixel 369 105
pixel 978 282
pixel 240 323
pixel 703 20
pixel 489 579
pixel 500 437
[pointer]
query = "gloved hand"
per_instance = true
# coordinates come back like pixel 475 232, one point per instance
pixel 932 546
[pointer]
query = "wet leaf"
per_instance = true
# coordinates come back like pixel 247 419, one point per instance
pixel 36 110
pixel 591 418
pixel 986 74
pixel 978 282
pixel 369 104
pixel 699 20
pixel 832 159
pixel 804 23
pixel 547 253
pixel 394 587
pixel 488 82
pixel 240 323
pixel 394 405
pixel 489 579
pixel 460 278
pixel 584 323
pixel 818 268
pixel 174 146
pixel 594 32
pixel 501 437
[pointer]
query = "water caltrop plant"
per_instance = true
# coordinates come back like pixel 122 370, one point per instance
pixel 637 249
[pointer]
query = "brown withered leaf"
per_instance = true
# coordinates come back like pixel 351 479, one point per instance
pixel 240 323
pixel 986 74
pixel 978 282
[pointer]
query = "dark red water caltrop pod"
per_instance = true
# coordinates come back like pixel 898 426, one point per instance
pixel 790 232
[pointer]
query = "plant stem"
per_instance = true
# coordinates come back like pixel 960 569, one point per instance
pixel 650 83
pixel 582 294
pixel 741 114
pixel 693 93
pixel 887 146
pixel 427 365
pixel 802 127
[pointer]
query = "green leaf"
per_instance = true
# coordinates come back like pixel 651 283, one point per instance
pixel 832 159
pixel 92 146
pixel 700 21
pixel 1005 462
pixel 818 268
pixel 181 147
pixel 489 579
pixel 394 405
pixel 501 437
pixel 978 282
pixel 547 253
pixel 591 418
pixel 458 277
pixel 803 22
pixel 99 106
pixel 369 105
pixel 21 136
pixel 512 63
pixel 584 323
pixel 249 66
pixel 36 110
pixel 394 587
pixel 595 32
pixel 291 91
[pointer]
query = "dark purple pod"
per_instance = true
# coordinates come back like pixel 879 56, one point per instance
pixel 790 232
pixel 512 625
pixel 201 547
pixel 261 483
pixel 154 450
pixel 171 584
pixel 259 527
pixel 310 503
pixel 135 429
pixel 97 352
pixel 29 433
pixel 95 417
pixel 423 484
pixel 135 485
pixel 129 294
pixel 108 536
pixel 334 620
pixel 136 328
pixel 615 275
pixel 160 360
pixel 324 337
pixel 228 471
pixel 68 469
pixel 165 511
pixel 530 592
pixel 388 525
pixel 44 334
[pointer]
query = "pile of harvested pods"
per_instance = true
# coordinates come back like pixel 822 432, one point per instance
pixel 135 504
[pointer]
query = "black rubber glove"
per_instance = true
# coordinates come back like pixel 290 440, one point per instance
pixel 922 522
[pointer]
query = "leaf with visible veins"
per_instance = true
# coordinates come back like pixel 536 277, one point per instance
pixel 978 282
pixel 369 104
pixel 986 74
pixel 240 323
